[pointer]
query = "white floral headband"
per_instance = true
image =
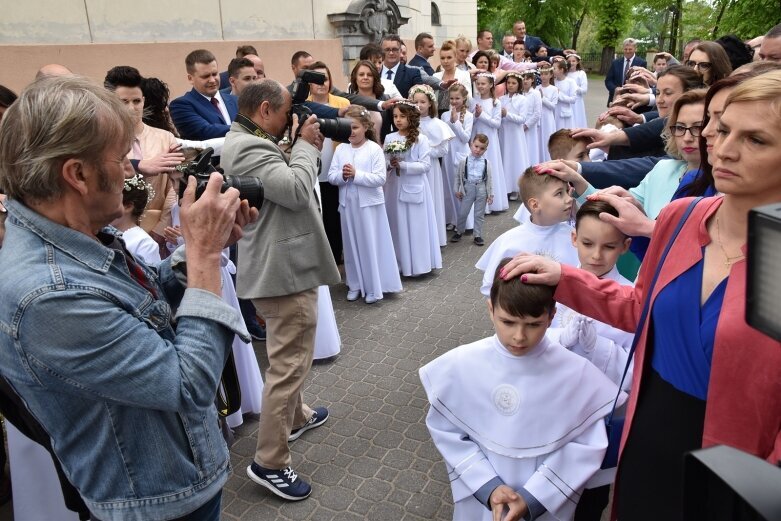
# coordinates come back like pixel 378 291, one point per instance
pixel 407 103
pixel 137 182
pixel 423 89
pixel 488 75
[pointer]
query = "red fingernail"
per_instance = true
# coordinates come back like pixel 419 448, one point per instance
pixel 502 273
pixel 523 278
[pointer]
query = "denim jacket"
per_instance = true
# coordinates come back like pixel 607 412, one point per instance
pixel 125 393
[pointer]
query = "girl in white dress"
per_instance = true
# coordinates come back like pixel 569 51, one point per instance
pixel 488 119
pixel 439 136
pixel 358 169
pixel 550 98
pixel 567 96
pixel 460 121
pixel 533 115
pixel 578 75
pixel 135 196
pixel 515 154
pixel 408 195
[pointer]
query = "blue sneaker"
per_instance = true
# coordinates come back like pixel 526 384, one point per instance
pixel 284 483
pixel 319 417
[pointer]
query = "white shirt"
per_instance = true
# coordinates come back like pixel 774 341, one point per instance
pixel 385 70
pixel 223 109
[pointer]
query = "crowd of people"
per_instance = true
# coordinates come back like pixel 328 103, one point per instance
pixel 621 290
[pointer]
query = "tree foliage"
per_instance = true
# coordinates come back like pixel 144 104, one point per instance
pixel 552 20
pixel 745 18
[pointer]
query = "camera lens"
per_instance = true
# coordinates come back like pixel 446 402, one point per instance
pixel 338 129
pixel 249 187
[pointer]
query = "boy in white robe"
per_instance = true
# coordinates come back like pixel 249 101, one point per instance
pixel 525 436
pixel 547 233
pixel 599 245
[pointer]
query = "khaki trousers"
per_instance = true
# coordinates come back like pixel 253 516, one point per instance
pixel 290 341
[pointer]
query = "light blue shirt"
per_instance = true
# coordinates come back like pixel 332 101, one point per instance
pixel 475 168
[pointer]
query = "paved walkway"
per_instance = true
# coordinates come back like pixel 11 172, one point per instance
pixel 374 459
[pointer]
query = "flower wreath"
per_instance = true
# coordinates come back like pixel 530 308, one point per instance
pixel 137 182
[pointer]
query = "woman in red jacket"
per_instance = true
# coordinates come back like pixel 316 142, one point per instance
pixel 705 377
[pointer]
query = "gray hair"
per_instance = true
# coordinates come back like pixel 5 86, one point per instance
pixel 54 119
pixel 774 32
pixel 256 93
pixel 630 41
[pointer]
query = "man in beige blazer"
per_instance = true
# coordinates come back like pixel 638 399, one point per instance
pixel 283 258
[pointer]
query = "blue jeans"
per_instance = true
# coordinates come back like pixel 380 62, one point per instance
pixel 474 193
pixel 208 512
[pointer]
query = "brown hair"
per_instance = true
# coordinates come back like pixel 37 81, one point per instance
pixel 691 97
pixel 198 56
pixel 561 142
pixel 377 87
pixel 593 209
pixel 413 117
pixel 520 299
pixel 362 116
pixel 461 89
pixel 720 64
pixel 530 184
pixel 482 138
pixel 322 65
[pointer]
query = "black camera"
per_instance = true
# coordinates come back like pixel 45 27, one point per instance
pixel 338 129
pixel 249 187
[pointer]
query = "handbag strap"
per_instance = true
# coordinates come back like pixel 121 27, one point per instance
pixel 647 303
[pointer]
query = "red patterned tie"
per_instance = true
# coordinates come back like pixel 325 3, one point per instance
pixel 216 105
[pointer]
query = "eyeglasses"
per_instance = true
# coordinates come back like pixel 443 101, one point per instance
pixel 391 49
pixel 680 130
pixel 701 66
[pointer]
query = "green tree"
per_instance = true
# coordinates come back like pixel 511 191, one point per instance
pixel 555 21
pixel 744 18
pixel 612 22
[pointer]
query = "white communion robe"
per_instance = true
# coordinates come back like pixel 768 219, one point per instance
pixel 554 242
pixel 533 133
pixel 369 258
pixel 411 210
pixel 565 108
pixel 550 98
pixel 141 245
pixel 515 153
pixel 36 489
pixel 579 111
pixel 328 342
pixel 535 421
pixel 609 355
pixel 458 150
pixel 488 123
pixel 439 138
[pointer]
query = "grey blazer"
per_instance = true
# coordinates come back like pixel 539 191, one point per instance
pixel 286 250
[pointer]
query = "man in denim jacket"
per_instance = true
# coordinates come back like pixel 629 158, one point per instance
pixel 88 338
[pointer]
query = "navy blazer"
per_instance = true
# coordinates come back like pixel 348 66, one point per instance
pixel 626 173
pixel 615 76
pixel 405 78
pixel 420 61
pixel 195 118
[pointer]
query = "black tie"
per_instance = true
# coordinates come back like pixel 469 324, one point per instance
pixel 389 74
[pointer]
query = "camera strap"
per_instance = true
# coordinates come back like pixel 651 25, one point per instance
pixel 251 127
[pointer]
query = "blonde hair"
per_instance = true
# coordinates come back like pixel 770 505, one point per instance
pixel 361 115
pixel 461 89
pixel 765 87
pixel 429 93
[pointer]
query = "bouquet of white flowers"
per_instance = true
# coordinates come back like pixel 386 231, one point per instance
pixel 395 149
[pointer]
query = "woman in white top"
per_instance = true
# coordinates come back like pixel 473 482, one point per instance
pixel 447 59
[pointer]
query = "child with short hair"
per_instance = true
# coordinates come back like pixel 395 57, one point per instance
pixel 561 145
pixel 408 195
pixel 517 418
pixel 472 187
pixel 599 245
pixel 547 232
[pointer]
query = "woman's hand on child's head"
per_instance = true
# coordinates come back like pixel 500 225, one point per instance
pixel 532 269
pixel 624 194
pixel 507 504
pixel 624 114
pixel 631 220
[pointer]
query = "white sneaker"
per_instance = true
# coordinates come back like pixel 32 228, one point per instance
pixel 353 294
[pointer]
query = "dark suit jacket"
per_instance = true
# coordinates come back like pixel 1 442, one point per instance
pixel 626 173
pixel 224 81
pixel 195 118
pixel 615 76
pixel 405 78
pixel 420 61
